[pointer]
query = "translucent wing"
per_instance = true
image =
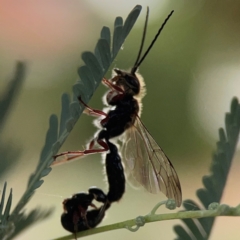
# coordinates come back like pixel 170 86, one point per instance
pixel 147 164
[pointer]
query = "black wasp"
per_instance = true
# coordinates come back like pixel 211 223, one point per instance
pixel 145 162
pixel 77 216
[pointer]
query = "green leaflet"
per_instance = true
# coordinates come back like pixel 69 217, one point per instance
pixel 215 182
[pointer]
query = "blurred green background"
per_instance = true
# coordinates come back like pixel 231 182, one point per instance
pixel 191 75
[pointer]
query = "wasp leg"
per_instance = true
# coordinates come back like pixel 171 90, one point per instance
pixel 71 155
pixel 91 111
pixel 112 86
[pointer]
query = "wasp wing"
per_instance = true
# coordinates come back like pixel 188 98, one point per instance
pixel 147 164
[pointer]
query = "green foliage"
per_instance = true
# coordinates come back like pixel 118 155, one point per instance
pixel 11 92
pixel 201 226
pixel 91 74
pixel 6 227
pixel 11 225
pixel 9 153
pixel 214 184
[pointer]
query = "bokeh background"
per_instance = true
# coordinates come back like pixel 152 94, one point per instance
pixel 191 74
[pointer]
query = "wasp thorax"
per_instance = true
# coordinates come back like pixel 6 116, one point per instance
pixel 128 81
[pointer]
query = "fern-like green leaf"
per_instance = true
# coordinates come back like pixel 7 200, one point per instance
pixel 214 184
pixel 6 226
pixel 11 92
pixel 42 168
pixel 65 112
pixel 9 153
pixel 27 220
pixel 96 66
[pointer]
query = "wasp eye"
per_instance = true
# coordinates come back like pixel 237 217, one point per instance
pixel 133 83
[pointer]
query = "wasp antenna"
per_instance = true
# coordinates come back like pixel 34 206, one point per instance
pixel 153 41
pixel 134 69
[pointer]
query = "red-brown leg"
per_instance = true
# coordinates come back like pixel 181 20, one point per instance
pixel 70 155
pixel 91 111
pixel 91 144
pixel 112 86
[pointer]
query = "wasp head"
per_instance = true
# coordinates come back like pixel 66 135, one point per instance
pixel 128 81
